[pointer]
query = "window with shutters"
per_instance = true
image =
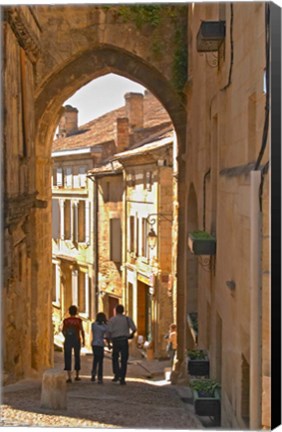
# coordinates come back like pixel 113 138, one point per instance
pixel 149 180
pixel 81 221
pixel 59 176
pixel 82 177
pixel 115 240
pixel 68 177
pixel 83 293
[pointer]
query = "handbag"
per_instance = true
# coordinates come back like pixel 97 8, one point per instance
pixel 169 347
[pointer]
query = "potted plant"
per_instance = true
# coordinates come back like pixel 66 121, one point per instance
pixel 198 363
pixel 206 398
pixel 201 243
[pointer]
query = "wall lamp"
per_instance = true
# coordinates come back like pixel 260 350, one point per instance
pixel 210 36
pixel 152 219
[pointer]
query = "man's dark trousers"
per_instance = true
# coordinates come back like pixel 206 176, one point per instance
pixel 120 348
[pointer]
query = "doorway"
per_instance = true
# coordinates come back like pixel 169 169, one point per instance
pixel 144 311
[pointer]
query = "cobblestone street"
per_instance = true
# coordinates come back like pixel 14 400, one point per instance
pixel 147 401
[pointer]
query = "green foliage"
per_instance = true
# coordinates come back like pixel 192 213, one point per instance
pixel 140 15
pixel 201 235
pixel 155 15
pixel 197 354
pixel 180 60
pixel 205 387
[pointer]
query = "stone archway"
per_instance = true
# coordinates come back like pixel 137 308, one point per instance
pixel 51 76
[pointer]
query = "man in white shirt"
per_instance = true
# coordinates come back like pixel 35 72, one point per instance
pixel 120 329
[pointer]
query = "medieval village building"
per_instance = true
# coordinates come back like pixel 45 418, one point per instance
pixel 88 222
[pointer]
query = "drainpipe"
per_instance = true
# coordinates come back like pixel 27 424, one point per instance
pixel 95 228
pixel 255 304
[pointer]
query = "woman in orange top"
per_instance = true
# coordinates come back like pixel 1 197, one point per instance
pixel 72 328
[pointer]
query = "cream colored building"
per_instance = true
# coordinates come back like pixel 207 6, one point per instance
pixel 227 195
pixel 148 220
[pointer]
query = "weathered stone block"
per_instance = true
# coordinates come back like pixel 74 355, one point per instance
pixel 53 390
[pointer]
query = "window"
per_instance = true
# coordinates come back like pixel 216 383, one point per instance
pixel 56 296
pixel 148 180
pixel 80 291
pixel 81 221
pixel 82 177
pixel 144 238
pixel 68 177
pixel 131 179
pixel 115 240
pixel 59 176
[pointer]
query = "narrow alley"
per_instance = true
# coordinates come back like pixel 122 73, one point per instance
pixel 147 401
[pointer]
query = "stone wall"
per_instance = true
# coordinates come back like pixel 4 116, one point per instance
pixel 225 120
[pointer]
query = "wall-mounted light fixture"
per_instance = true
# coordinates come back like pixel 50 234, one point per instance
pixel 210 36
pixel 152 219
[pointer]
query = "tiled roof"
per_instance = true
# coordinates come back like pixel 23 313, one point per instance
pixel 103 129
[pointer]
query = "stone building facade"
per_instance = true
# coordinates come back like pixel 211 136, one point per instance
pixel 223 153
pixel 227 195
pixel 142 172
pixel 148 222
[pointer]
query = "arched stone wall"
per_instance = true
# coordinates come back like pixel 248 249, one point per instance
pixel 54 50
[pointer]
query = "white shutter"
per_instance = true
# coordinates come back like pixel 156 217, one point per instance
pixel 86 281
pixel 59 177
pixel 68 177
pixel 82 177
pixel 74 286
pixel 62 219
pixel 87 222
pixel 76 181
pixel 58 284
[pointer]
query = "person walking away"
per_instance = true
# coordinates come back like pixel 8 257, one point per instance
pixel 73 333
pixel 172 342
pixel 120 329
pixel 98 330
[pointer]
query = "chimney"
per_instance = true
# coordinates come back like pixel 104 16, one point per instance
pixel 134 109
pixel 122 133
pixel 68 123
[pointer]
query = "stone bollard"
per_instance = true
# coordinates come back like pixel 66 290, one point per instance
pixel 53 391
